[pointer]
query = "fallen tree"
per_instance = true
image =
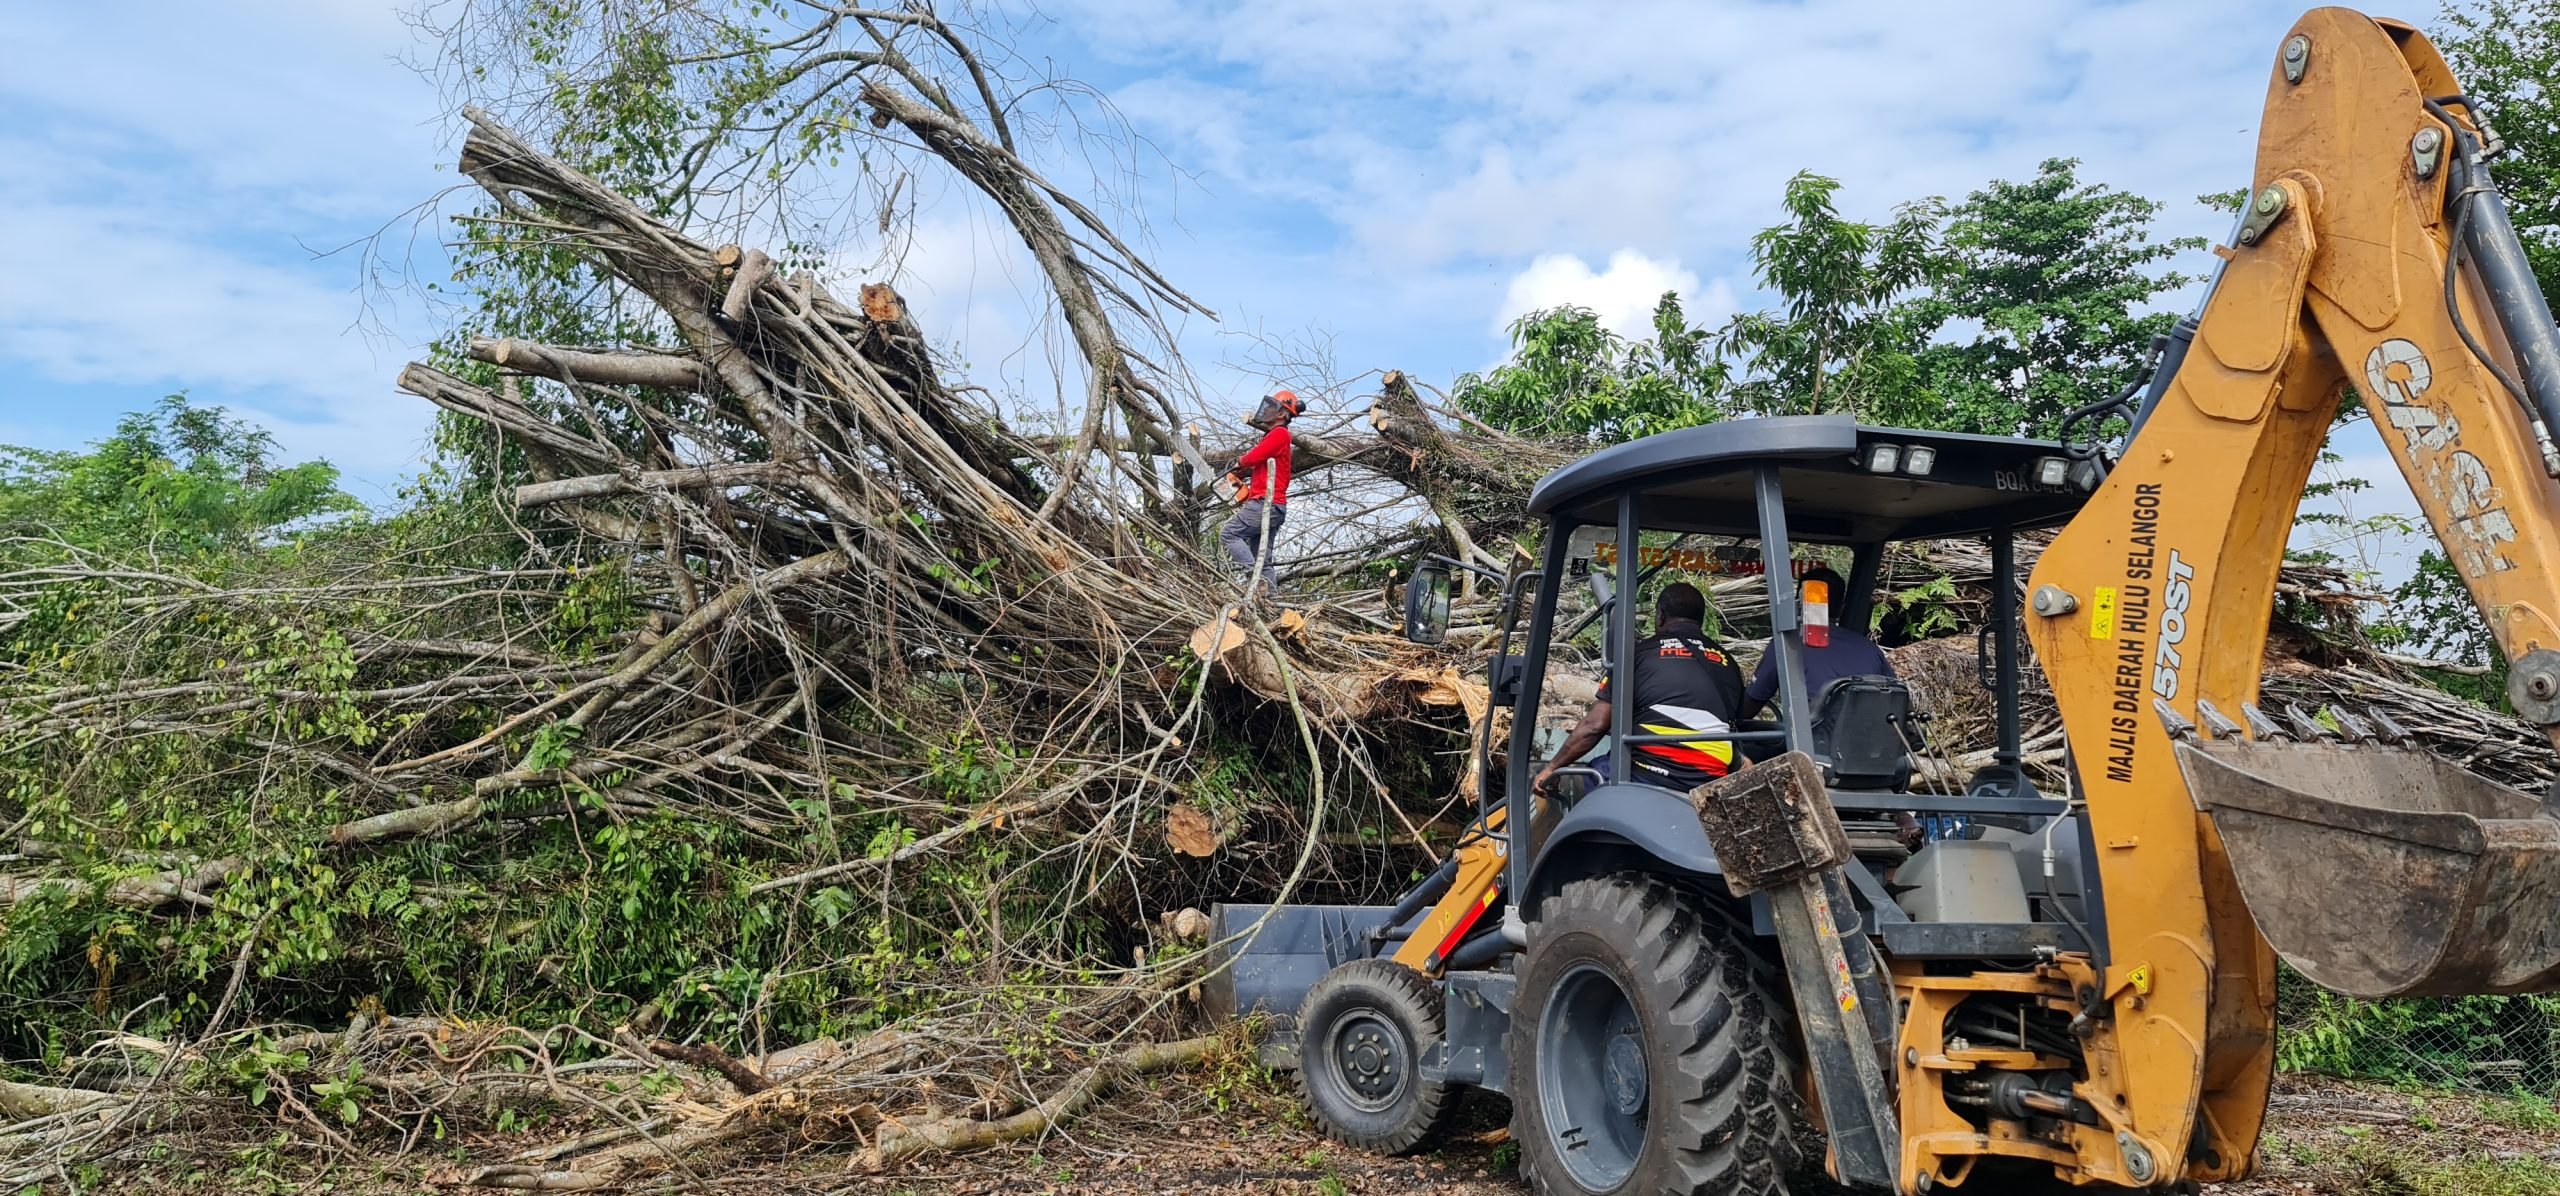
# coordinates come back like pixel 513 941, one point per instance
pixel 767 688
pixel 780 654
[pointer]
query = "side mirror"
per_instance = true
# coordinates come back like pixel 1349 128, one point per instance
pixel 1426 603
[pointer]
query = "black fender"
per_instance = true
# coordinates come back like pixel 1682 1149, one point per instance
pixel 1618 828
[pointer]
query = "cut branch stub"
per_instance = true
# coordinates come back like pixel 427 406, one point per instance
pixel 753 270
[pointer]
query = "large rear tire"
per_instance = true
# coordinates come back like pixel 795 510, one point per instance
pixel 1363 1032
pixel 1646 1049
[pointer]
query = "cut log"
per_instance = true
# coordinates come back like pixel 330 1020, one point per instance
pixel 22 1102
pixel 1190 831
pixel 460 396
pixel 713 1059
pixel 668 370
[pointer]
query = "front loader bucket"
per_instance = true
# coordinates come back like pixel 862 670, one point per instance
pixel 1270 970
pixel 2385 872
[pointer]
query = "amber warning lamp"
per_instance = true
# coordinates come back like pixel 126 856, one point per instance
pixel 1817 614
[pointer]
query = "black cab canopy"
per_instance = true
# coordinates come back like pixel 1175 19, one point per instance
pixel 1842 482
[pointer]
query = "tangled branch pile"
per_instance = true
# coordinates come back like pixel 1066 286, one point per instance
pixel 804 697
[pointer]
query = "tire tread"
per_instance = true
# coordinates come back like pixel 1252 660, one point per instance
pixel 1737 1111
pixel 1409 995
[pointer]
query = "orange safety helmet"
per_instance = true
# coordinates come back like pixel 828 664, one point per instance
pixel 1277 407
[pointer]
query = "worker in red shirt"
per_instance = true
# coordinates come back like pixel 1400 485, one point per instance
pixel 1262 478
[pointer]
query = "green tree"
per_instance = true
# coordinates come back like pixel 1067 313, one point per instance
pixel 1568 376
pixel 2432 614
pixel 2058 276
pixel 2051 278
pixel 177 478
pixel 2506 53
pixel 1845 338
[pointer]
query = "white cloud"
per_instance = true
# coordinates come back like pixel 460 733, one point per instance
pixel 173 188
pixel 1386 173
pixel 1435 148
pixel 1623 294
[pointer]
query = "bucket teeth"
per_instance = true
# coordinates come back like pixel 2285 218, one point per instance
pixel 2260 726
pixel 2305 727
pixel 2390 731
pixel 2215 725
pixel 2174 723
pixel 2355 730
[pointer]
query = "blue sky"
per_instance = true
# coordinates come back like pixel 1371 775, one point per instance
pixel 1382 184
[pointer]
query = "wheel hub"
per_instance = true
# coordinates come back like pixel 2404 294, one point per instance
pixel 1370 1055
pixel 1593 1086
pixel 1624 1072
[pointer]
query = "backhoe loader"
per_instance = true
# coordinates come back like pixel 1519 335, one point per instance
pixel 2073 987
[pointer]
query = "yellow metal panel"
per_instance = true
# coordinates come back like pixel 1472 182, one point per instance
pixel 1479 881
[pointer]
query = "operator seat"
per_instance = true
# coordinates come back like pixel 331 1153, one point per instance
pixel 1862 733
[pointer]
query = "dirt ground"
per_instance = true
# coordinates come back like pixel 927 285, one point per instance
pixel 1184 1135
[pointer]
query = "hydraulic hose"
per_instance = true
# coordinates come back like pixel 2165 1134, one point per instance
pixel 2484 233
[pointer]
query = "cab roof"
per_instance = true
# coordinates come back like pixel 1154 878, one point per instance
pixel 1700 480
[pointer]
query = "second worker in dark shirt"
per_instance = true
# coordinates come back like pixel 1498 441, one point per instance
pixel 1849 654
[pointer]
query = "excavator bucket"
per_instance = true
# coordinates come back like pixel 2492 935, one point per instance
pixel 2380 871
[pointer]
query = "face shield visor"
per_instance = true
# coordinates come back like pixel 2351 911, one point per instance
pixel 1275 408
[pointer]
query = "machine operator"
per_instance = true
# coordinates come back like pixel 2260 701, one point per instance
pixel 1684 681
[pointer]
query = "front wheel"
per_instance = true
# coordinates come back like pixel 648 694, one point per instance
pixel 1645 1049
pixel 1363 1033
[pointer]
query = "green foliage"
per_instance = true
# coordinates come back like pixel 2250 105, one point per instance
pixel 593 610
pixel 178 480
pixel 970 768
pixel 1927 609
pixel 2454 1040
pixel 2058 275
pixel 344 1094
pixel 1843 338
pixel 1235 1077
pixel 2527 1111
pixel 1568 376
pixel 254 1070
pixel 2388 1169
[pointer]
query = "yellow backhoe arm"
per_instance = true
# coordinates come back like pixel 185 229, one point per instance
pixel 2153 603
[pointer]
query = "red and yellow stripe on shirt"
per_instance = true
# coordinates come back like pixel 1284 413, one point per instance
pixel 1714 756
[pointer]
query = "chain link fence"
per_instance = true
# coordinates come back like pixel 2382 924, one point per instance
pixel 2489 1044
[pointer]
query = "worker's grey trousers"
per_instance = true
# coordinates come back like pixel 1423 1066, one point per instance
pixel 1243 540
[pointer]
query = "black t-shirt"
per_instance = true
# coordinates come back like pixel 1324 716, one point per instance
pixel 1684 682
